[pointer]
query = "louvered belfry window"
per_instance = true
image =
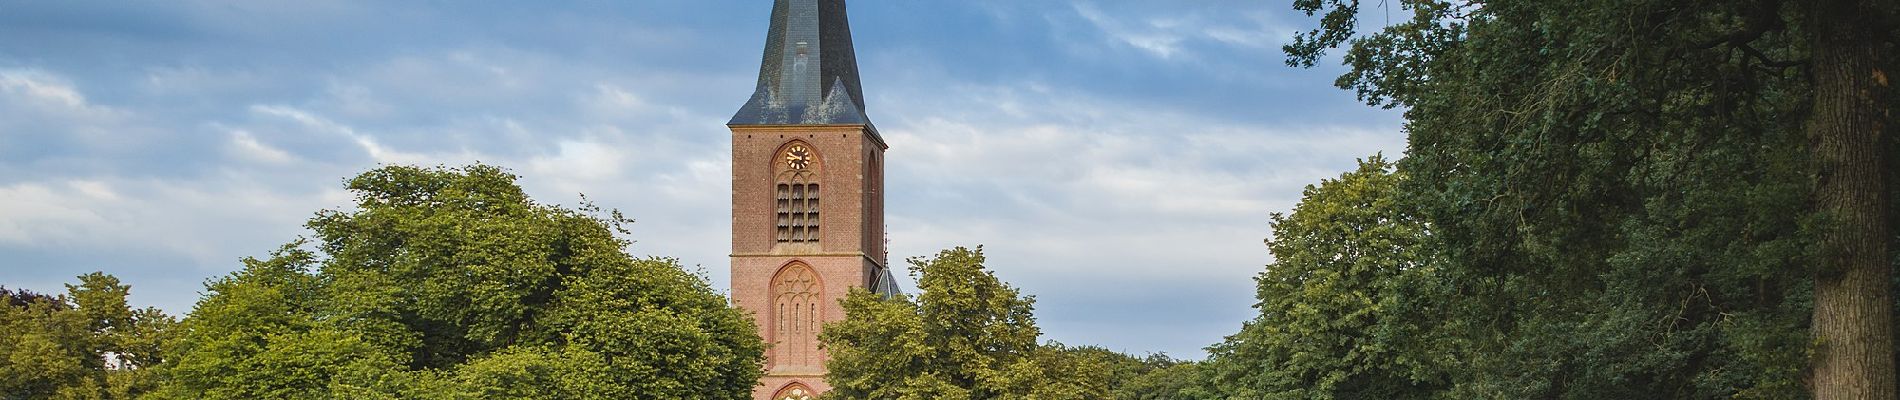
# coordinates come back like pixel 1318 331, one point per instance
pixel 797 196
pixel 798 212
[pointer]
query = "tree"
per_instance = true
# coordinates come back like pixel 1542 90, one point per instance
pixel 1623 187
pixel 453 284
pixel 46 349
pixel 1155 376
pixel 1334 320
pixel 1176 381
pixel 87 344
pixel 966 335
pixel 257 334
pixel 1849 129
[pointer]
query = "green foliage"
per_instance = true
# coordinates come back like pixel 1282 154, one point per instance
pixel 45 349
pixel 88 344
pixel 660 329
pixel 1152 377
pixel 966 335
pixel 256 335
pixel 1174 381
pixel 1338 317
pixel 531 374
pixel 1618 196
pixel 452 284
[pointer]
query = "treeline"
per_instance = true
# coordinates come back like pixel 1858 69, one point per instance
pixel 450 283
pixel 441 284
pixel 1600 199
pixel 85 344
pixel 967 335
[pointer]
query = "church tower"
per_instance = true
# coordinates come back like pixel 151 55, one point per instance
pixel 807 193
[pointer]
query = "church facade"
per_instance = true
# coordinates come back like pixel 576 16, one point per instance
pixel 807 193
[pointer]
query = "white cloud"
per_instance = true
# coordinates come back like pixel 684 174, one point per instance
pixel 36 212
pixel 369 144
pixel 1254 30
pixel 212 221
pixel 41 86
pixel 94 190
pixel 616 99
pixel 39 102
pixel 1166 32
pixel 244 145
pixel 1154 36
pixel 584 161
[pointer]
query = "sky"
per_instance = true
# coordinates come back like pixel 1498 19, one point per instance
pixel 1117 159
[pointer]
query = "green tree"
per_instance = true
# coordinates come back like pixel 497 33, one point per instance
pixel 966 335
pixel 453 284
pixel 1151 377
pixel 88 344
pixel 256 334
pixel 1176 381
pixel 1333 304
pixel 1646 198
pixel 530 374
pixel 45 351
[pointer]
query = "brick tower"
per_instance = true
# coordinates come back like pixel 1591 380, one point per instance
pixel 807 193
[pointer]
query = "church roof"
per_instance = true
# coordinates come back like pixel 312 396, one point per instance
pixel 886 284
pixel 809 75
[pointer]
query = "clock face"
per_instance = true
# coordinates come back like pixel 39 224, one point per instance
pixel 798 157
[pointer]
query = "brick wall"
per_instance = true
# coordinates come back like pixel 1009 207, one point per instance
pixel 850 249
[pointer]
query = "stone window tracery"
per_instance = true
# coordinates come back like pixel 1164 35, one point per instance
pixel 796 316
pixel 794 391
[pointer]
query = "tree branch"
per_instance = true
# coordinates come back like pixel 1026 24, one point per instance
pixel 1769 62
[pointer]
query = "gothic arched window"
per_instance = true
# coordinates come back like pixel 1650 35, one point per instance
pixel 796 318
pixel 797 194
pixel 794 391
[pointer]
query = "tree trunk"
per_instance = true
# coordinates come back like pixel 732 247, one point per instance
pixel 1853 301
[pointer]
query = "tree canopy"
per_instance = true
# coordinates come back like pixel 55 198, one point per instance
pixel 965 335
pixel 1339 313
pixel 1632 198
pixel 452 283
pixel 86 344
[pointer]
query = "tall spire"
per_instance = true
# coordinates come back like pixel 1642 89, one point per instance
pixel 809 75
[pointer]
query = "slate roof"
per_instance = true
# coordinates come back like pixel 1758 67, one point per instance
pixel 886 284
pixel 809 74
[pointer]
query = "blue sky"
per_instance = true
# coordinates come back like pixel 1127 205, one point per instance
pixel 1118 159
